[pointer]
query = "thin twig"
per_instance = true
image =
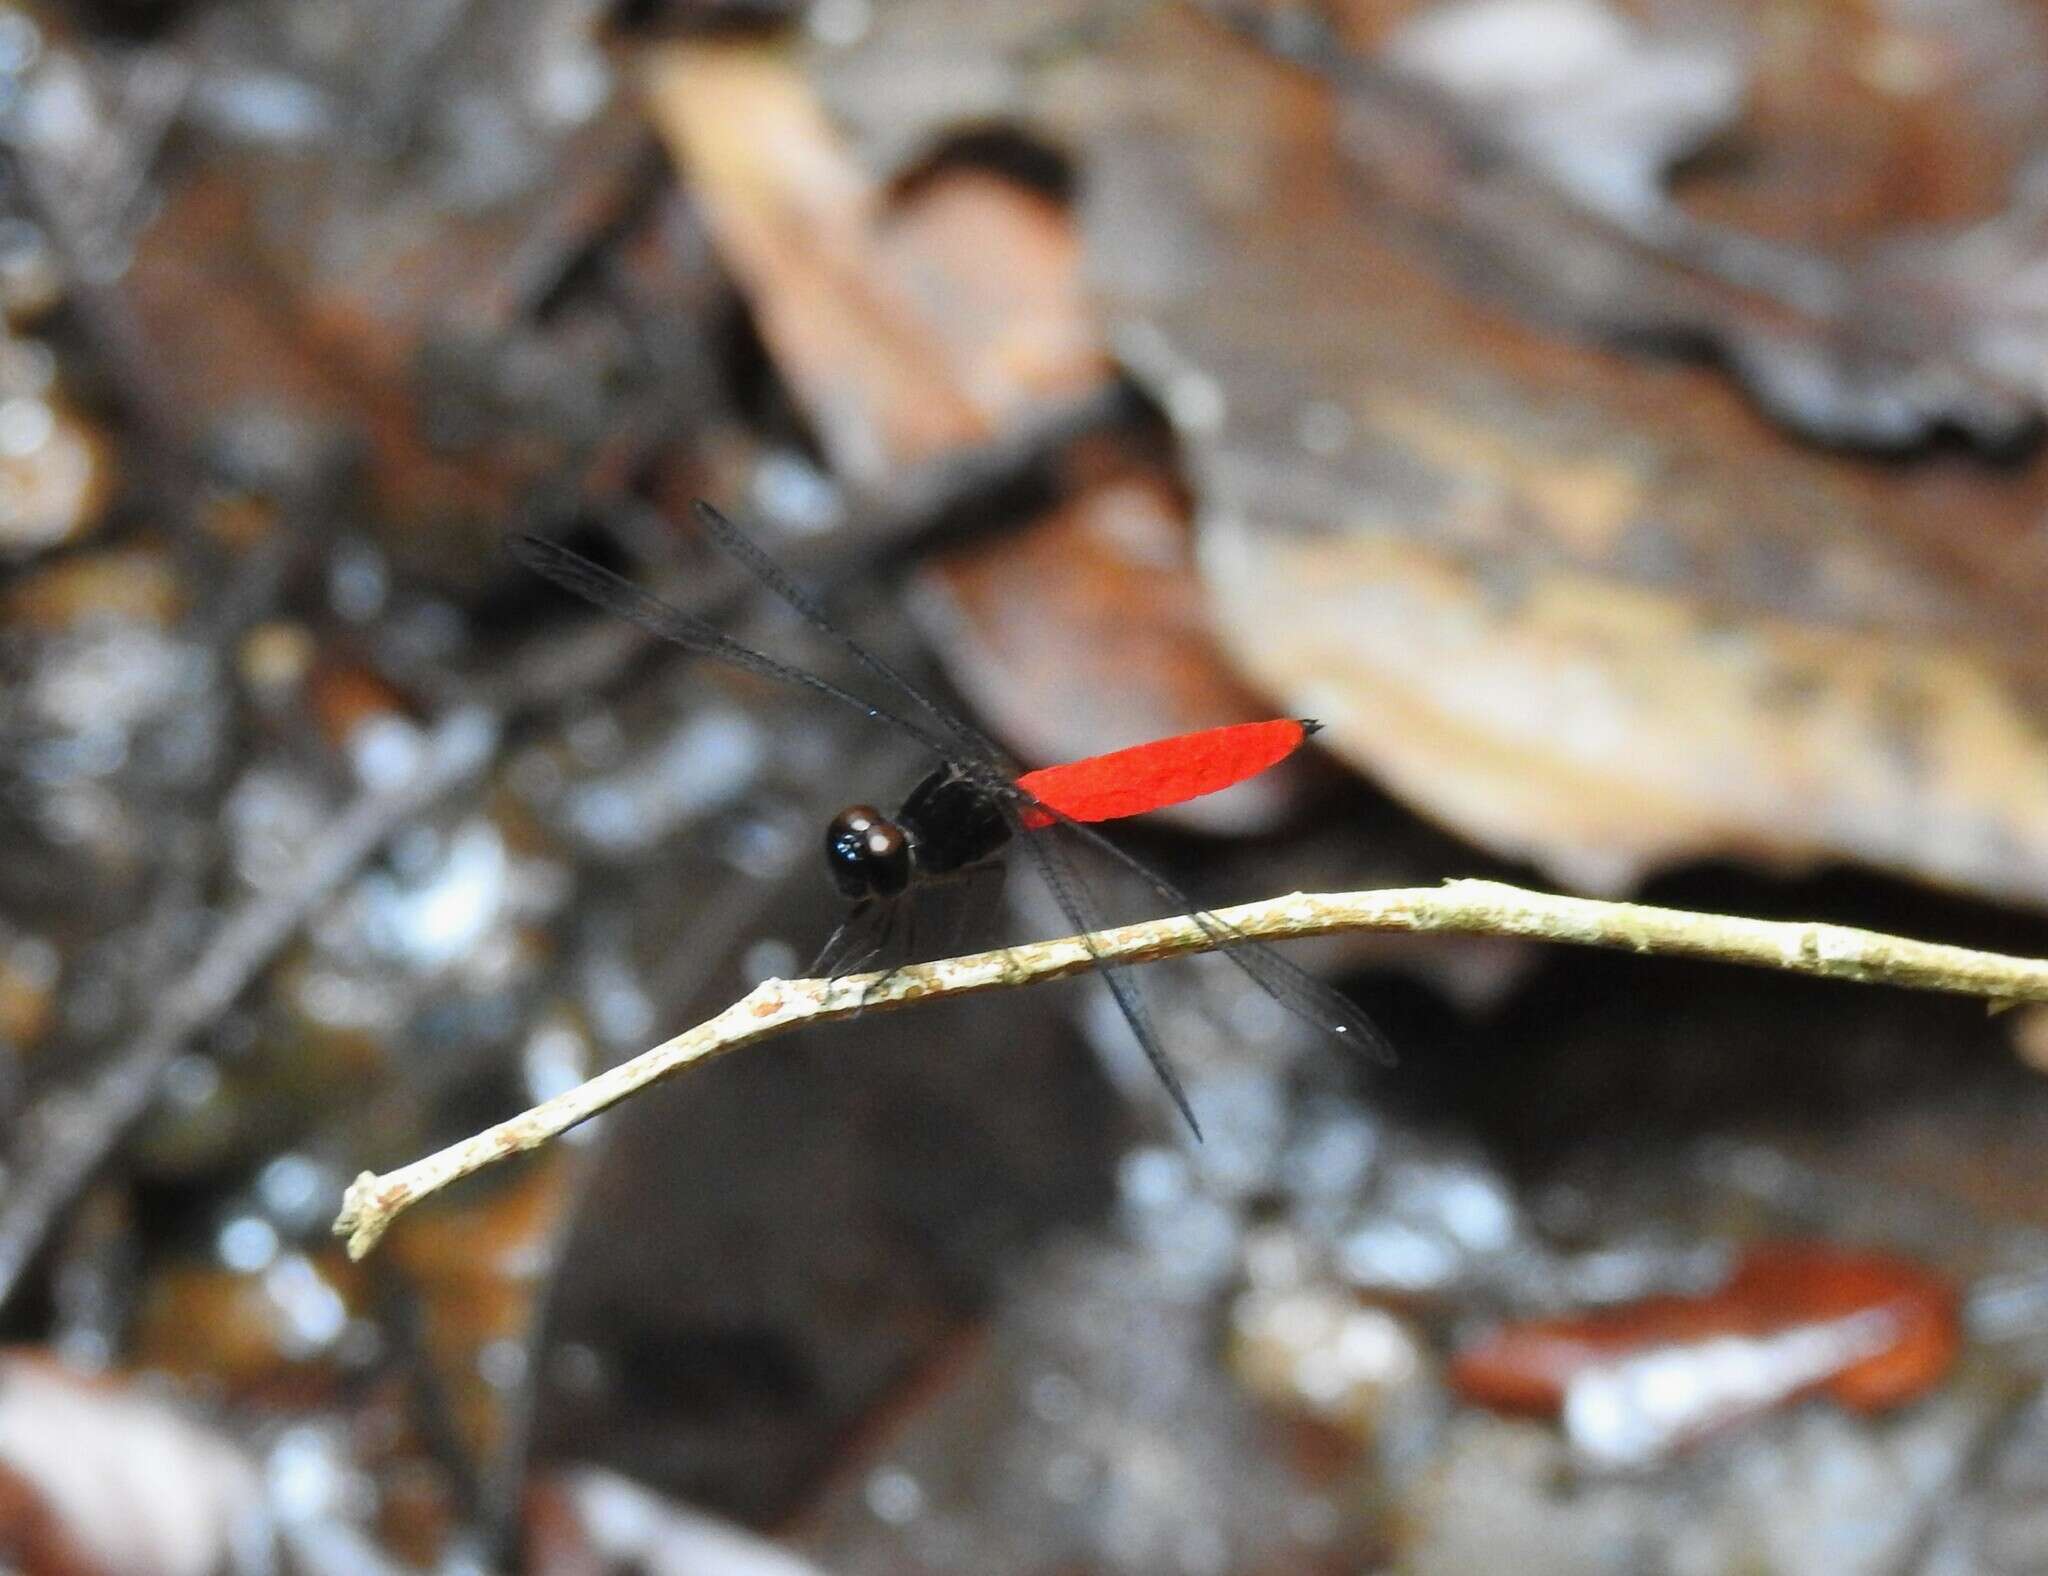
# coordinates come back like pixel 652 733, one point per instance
pixel 1471 907
pixel 77 1129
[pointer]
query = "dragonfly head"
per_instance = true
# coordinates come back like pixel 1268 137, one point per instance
pixel 868 853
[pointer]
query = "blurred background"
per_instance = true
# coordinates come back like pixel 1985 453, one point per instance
pixel 1616 421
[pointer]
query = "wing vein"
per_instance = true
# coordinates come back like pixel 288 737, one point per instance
pixel 619 596
pixel 1071 893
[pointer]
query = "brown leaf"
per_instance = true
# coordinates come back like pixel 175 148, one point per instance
pixel 896 336
pixel 267 1335
pixel 99 1476
pixel 1603 729
pixel 478 1264
pixel 1583 610
pixel 1845 252
pixel 588 1522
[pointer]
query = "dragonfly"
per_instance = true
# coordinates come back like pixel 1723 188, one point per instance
pixel 975 803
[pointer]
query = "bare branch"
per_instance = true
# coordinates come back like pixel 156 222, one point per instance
pixel 1486 908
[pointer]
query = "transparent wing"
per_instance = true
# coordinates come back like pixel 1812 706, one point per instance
pixel 970 745
pixel 618 595
pixel 1073 897
pixel 1300 992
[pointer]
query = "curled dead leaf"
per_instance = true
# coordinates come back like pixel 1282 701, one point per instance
pixel 896 337
pixel 1870 1330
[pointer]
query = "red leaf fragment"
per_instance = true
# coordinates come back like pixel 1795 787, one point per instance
pixel 1776 1288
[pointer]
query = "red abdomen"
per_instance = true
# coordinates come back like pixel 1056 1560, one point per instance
pixel 1166 771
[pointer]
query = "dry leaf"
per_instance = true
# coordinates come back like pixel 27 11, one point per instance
pixel 478 1264
pixel 897 338
pixel 1582 610
pixel 104 1478
pixel 1081 633
pixel 587 1522
pixel 1870 1330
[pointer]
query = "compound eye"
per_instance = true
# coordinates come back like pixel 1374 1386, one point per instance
pixel 868 854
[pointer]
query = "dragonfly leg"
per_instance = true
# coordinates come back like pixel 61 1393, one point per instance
pixel 859 961
pixel 959 900
pixel 905 954
pixel 974 893
pixel 858 941
pixel 989 876
pixel 842 941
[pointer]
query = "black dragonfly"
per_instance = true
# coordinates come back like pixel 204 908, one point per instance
pixel 975 802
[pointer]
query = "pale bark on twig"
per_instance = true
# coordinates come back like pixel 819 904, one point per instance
pixel 1487 908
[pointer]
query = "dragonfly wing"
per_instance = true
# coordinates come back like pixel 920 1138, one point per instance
pixel 968 741
pixel 1300 992
pixel 619 596
pixel 1072 895
pixel 966 905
